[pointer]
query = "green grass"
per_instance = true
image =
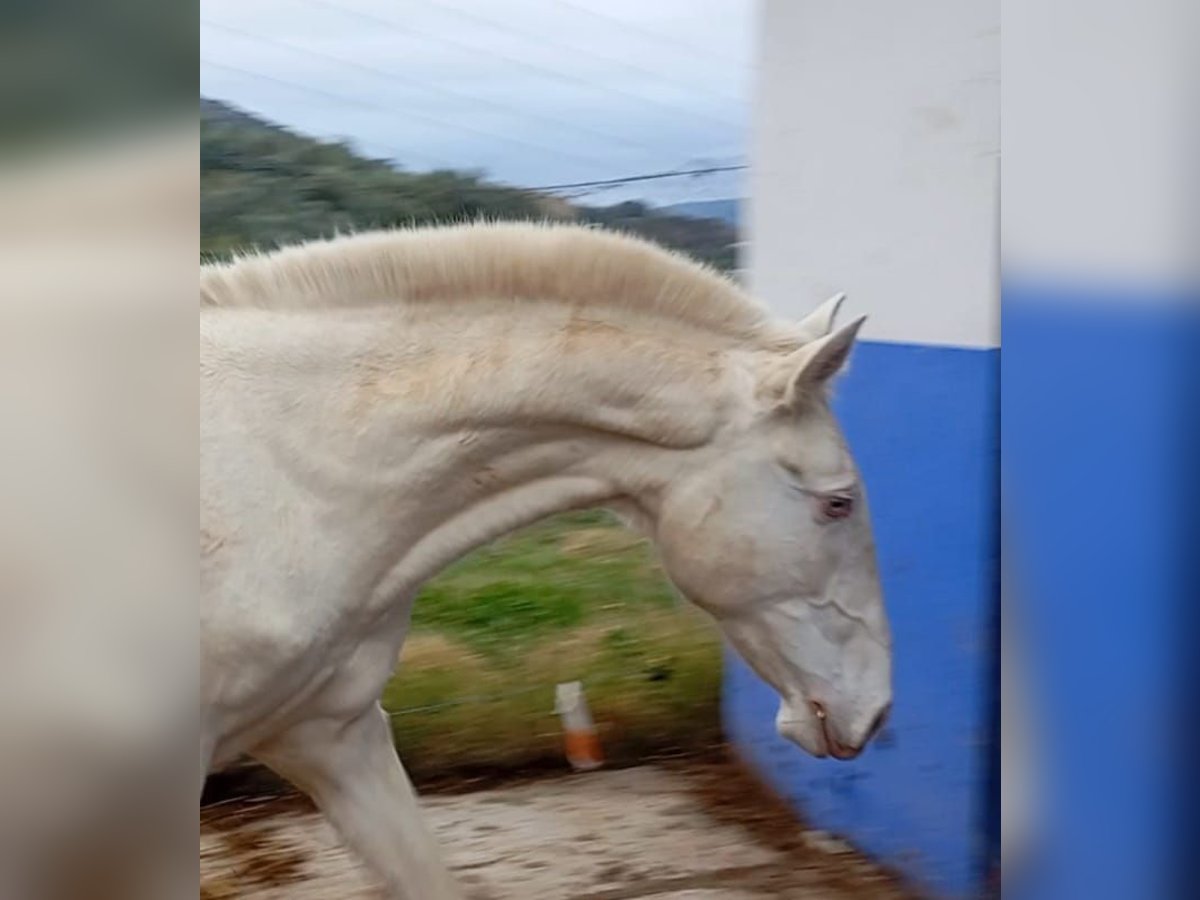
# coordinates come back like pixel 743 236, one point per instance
pixel 574 598
pixel 553 576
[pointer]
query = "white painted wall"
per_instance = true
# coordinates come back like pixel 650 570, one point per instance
pixel 1100 149
pixel 875 164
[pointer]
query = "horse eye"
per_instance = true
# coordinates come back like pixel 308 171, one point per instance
pixel 837 507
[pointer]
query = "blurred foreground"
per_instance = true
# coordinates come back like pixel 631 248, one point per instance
pixel 684 832
pixel 98 653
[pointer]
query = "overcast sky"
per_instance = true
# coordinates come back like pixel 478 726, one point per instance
pixel 534 92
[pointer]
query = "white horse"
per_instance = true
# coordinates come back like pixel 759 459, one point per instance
pixel 376 406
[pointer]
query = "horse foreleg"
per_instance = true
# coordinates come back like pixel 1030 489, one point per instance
pixel 352 772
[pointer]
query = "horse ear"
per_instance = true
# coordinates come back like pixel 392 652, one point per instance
pixel 812 366
pixel 819 322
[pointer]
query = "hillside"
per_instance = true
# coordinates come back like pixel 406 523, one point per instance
pixel 726 210
pixel 262 184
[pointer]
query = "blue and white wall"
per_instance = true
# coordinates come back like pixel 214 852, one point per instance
pixel 1098 269
pixel 876 172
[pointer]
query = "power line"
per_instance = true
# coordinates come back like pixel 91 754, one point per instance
pixel 548 688
pixel 533 67
pixel 423 85
pixel 443 123
pixel 336 98
pixel 399 153
pixel 631 179
pixel 706 55
pixel 473 16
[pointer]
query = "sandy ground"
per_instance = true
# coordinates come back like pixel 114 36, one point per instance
pixel 698 832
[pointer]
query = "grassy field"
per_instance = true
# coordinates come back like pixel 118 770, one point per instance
pixel 573 598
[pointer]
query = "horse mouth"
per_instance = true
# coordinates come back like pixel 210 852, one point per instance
pixel 832 746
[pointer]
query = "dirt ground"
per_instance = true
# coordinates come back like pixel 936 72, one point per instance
pixel 671 832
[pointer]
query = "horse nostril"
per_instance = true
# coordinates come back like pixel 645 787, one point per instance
pixel 836 750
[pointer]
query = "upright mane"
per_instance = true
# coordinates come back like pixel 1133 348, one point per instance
pixel 558 263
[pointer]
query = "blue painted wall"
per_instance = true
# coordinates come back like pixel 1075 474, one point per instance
pixel 922 423
pixel 1097 397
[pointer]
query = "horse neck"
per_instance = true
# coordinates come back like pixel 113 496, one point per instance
pixel 440 435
